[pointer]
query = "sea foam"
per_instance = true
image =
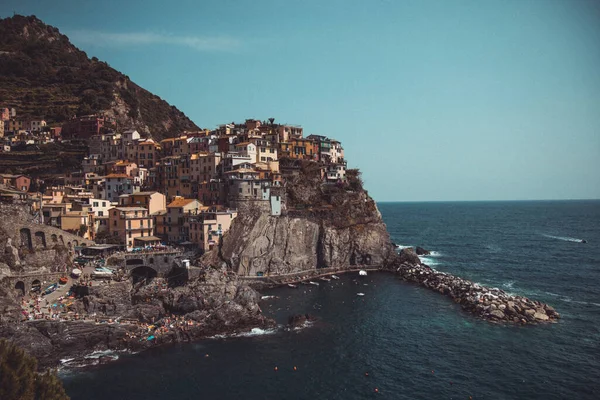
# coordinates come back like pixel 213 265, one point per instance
pixel 563 238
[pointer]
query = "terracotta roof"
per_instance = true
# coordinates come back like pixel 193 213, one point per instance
pixel 179 203
pixel 243 144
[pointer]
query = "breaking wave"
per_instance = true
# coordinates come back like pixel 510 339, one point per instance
pixel 256 332
pixel 431 258
pixel 89 359
pixel 253 332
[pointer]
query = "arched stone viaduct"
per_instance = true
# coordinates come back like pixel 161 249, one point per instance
pixel 40 237
pixel 36 254
pixel 23 283
pixel 159 264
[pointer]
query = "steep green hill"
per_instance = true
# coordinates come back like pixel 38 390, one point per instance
pixel 43 75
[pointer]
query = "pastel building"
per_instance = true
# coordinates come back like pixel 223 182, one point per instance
pixel 205 229
pixel 152 201
pixel 174 218
pixel 129 223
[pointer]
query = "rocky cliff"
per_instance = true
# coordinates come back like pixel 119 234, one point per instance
pixel 323 226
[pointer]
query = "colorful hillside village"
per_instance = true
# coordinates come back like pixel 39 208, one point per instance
pixel 187 190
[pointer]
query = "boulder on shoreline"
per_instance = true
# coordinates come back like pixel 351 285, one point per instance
pixel 299 320
pixel 408 255
pixel 421 251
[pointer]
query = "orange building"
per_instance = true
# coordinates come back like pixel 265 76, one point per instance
pixel 299 148
pixel 144 152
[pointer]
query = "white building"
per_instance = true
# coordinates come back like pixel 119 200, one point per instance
pixel 336 172
pixel 99 207
pixel 115 185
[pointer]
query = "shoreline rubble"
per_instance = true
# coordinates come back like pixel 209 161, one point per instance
pixel 490 304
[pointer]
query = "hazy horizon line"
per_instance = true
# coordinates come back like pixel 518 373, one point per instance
pixel 479 201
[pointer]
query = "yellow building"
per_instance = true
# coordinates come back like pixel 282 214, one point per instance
pixel 76 222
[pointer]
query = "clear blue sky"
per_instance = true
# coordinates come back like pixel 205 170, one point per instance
pixel 433 100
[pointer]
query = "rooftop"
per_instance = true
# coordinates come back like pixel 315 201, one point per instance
pixel 129 209
pixel 179 203
pixel 144 193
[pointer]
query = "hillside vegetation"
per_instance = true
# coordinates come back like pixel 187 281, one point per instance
pixel 43 75
pixel 19 379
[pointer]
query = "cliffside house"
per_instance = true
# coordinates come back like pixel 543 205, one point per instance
pixel 207 227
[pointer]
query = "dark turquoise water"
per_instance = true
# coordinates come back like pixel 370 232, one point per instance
pixel 415 344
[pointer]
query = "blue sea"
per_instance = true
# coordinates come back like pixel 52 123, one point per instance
pixel 412 343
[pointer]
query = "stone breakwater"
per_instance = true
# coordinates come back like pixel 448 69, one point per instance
pixel 491 304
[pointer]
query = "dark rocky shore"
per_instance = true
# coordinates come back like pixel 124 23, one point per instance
pixel 123 317
pixel 491 304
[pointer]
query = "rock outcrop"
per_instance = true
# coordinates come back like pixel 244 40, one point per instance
pixel 421 251
pixel 303 240
pixel 11 255
pixel 122 317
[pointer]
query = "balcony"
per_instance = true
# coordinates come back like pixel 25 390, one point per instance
pixel 141 228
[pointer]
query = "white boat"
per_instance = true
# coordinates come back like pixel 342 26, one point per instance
pixel 362 272
pixel 335 277
pixel 76 273
pixel 360 294
pixel 292 286
pixel 325 279
pixel 313 283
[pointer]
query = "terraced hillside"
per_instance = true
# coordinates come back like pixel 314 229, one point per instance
pixel 43 75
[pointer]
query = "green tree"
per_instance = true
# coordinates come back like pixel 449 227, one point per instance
pixel 19 379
